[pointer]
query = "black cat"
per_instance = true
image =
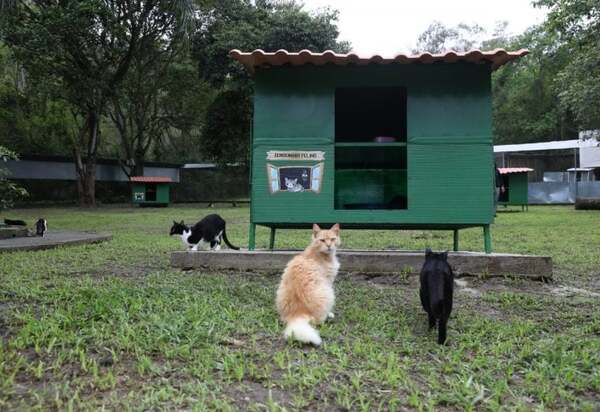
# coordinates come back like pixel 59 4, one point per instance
pixel 11 222
pixel 207 232
pixel 437 289
pixel 41 227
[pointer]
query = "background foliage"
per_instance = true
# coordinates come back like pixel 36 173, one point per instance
pixel 9 191
pixel 188 101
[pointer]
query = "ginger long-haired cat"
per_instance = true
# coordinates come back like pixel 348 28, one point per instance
pixel 305 295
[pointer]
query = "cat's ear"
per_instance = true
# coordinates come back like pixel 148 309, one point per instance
pixel 175 223
pixel 428 253
pixel 181 223
pixel 335 229
pixel 316 229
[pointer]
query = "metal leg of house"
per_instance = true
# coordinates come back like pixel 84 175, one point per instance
pixel 252 236
pixel 487 239
pixel 455 240
pixel 272 239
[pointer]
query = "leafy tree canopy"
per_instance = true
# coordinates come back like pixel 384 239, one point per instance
pixel 577 23
pixel 9 191
pixel 525 97
pixel 246 25
pixel 265 24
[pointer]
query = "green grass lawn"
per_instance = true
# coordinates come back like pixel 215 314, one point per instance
pixel 113 326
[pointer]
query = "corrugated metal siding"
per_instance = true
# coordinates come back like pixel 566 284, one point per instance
pixel 450 154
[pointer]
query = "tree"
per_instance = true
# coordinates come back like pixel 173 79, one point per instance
pixel 9 191
pixel 578 83
pixel 137 111
pixel 438 38
pixel 268 25
pixel 31 120
pixel 525 99
pixel 247 25
pixel 228 122
pixel 184 104
pixel 84 49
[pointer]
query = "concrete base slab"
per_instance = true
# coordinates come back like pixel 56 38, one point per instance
pixel 361 261
pixel 50 240
pixel 9 232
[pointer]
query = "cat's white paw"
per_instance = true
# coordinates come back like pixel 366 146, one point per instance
pixel 330 315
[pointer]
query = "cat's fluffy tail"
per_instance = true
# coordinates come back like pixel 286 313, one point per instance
pixel 301 330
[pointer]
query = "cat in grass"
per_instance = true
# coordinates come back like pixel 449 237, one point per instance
pixel 305 296
pixel 437 288
pixel 206 234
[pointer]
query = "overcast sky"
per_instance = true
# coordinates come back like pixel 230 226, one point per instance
pixel 391 26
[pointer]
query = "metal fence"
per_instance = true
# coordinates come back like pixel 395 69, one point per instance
pixel 561 192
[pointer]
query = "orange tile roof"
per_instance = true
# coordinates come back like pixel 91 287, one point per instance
pixel 151 179
pixel 507 170
pixel 258 57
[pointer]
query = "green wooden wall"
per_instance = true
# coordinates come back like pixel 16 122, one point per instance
pixel 449 176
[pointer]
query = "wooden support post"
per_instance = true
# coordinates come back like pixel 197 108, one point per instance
pixel 487 239
pixel 455 240
pixel 252 236
pixel 272 239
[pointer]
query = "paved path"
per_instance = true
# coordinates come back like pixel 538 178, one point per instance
pixel 52 239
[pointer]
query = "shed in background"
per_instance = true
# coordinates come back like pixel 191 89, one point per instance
pixel 150 190
pixel 516 186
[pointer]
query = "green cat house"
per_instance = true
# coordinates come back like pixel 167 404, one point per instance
pixel 372 142
pixel 150 191
pixel 515 184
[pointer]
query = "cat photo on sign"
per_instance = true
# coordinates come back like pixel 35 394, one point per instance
pixel 295 179
pixel 292 185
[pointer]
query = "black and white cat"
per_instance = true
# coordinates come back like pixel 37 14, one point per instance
pixel 41 227
pixel 206 234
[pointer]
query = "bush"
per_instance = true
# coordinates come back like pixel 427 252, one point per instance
pixel 9 191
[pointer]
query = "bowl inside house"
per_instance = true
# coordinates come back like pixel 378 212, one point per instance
pixel 384 139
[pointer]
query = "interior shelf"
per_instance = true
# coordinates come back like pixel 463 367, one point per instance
pixel 371 170
pixel 371 144
pixel 370 156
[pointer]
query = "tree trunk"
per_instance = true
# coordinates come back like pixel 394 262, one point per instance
pixel 138 159
pixel 138 168
pixel 86 172
pixel 86 186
